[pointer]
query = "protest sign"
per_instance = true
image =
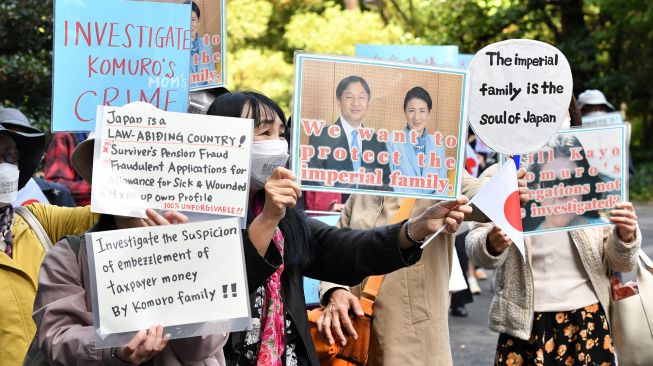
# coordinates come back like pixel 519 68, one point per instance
pixel 576 179
pixel 519 94
pixel 614 118
pixel 376 127
pixel 113 52
pixel 208 44
pixel 171 275
pixel 145 157
pixel 463 60
pixel 415 54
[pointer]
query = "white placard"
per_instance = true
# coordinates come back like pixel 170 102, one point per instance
pixel 169 275
pixel 145 157
pixel 614 118
pixel 519 94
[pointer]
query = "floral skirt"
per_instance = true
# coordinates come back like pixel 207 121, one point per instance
pixel 569 338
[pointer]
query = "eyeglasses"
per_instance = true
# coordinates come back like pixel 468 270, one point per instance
pixel 10 156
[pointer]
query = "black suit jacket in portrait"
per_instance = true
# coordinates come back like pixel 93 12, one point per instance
pixel 341 141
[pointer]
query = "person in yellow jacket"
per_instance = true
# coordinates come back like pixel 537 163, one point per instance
pixel 21 250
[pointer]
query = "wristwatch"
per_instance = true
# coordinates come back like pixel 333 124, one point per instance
pixel 410 237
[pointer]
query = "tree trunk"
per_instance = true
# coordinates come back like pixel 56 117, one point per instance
pixel 572 20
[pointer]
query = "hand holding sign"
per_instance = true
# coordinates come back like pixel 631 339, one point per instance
pixel 145 345
pixel 524 192
pixel 519 94
pixel 626 221
pixel 281 191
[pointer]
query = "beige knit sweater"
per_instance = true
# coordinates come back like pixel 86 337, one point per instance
pixel 512 307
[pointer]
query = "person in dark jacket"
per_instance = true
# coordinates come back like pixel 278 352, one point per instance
pixel 281 244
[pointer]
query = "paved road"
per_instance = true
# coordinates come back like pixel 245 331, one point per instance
pixel 473 344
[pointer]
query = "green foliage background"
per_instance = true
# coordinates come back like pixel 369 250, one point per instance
pixel 609 44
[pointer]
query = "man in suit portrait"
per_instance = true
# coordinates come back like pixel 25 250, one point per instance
pixel 353 96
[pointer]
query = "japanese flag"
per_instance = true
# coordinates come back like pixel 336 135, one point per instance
pixel 499 201
pixel 471 161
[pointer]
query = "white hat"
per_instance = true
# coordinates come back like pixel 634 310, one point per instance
pixel 593 97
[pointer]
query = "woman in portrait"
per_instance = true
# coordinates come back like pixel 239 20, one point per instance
pixel 562 147
pixel 417 109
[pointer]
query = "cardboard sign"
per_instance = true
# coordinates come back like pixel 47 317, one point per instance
pixel 519 94
pixel 614 118
pixel 381 128
pixel 208 45
pixel 113 52
pixel 575 180
pixel 415 54
pixel 145 157
pixel 169 275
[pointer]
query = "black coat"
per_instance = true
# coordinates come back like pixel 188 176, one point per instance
pixel 340 255
pixel 346 165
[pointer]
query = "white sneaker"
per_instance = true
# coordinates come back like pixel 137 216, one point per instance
pixel 473 286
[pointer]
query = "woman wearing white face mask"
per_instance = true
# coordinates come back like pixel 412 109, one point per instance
pixel 281 244
pixel 21 250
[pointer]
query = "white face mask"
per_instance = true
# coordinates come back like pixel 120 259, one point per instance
pixel 266 156
pixel 8 183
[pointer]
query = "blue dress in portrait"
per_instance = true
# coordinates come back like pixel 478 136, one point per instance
pixel 198 48
pixel 408 162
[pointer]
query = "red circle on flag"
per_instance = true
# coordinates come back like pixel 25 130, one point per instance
pixel 470 164
pixel 512 211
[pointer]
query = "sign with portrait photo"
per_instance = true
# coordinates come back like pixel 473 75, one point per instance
pixel 446 56
pixel 612 118
pixel 575 180
pixel 376 127
pixel 208 48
